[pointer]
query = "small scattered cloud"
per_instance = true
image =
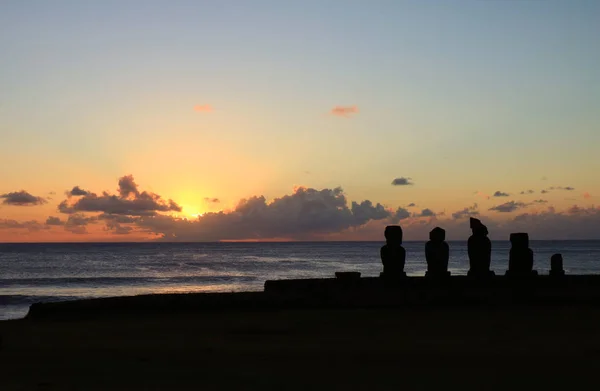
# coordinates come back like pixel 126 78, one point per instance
pixel 203 108
pixel 426 213
pixel 466 212
pixel 399 215
pixel 21 198
pixel 411 205
pixel 501 194
pixel 76 191
pixel 77 222
pixel 52 220
pixel 212 200
pixel 568 188
pixel 508 207
pixel 540 201
pixel 545 191
pixel 401 181
pixel 527 192
pixel 482 195
pixel 31 225
pixel 117 228
pixel 344 111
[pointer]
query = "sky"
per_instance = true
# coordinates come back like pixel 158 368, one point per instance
pixel 312 120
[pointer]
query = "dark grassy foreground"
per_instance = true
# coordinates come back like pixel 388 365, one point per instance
pixel 555 347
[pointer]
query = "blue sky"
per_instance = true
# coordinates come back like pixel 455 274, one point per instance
pixel 460 96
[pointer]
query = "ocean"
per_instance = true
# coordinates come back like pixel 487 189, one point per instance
pixel 52 272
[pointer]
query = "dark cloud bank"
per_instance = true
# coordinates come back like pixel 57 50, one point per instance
pixel 306 214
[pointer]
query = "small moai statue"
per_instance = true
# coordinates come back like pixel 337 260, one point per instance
pixel 556 266
pixel 480 250
pixel 393 255
pixel 437 253
pixel 520 260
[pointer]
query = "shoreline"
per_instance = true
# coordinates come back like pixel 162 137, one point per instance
pixel 337 293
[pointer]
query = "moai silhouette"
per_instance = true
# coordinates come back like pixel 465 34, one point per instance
pixel 437 253
pixel 556 266
pixel 480 250
pixel 520 260
pixel 393 255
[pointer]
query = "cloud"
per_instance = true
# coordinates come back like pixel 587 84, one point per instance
pixel 466 212
pixel 401 181
pixel 426 213
pixel 118 228
pixel 121 219
pixel 411 205
pixel 587 195
pixel 203 108
pixel 501 194
pixel 508 207
pixel 482 195
pixel 540 201
pixel 544 178
pixel 31 225
pixel 527 192
pixel 127 186
pixel 344 111
pixel 304 214
pixel 52 220
pixel 77 222
pixel 212 200
pixel 567 188
pixel 399 215
pixel 130 201
pixel 21 198
pixel 76 191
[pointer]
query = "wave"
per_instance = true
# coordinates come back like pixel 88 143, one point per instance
pixel 110 281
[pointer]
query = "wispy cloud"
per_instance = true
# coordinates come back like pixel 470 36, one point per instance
pixel 466 212
pixel 508 207
pixel 211 200
pixel 203 108
pixel 482 195
pixel 344 111
pixel 527 192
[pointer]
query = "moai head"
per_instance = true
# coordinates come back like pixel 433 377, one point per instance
pixel 477 227
pixel 519 240
pixel 393 234
pixel 437 235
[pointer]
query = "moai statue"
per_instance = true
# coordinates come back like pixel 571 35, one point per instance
pixel 393 255
pixel 520 260
pixel 437 253
pixel 480 250
pixel 556 266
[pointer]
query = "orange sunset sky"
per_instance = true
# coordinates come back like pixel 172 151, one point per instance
pixel 206 121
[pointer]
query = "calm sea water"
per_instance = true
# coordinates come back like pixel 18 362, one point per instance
pixel 49 272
